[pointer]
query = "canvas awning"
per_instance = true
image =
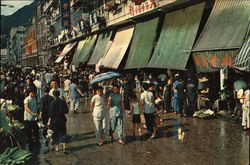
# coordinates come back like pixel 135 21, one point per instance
pixel 242 60
pixel 118 48
pixel 86 50
pixel 142 44
pixel 78 52
pixel 223 34
pixel 177 38
pixel 101 47
pixel 66 49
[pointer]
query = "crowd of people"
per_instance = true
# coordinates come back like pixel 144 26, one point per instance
pixel 49 95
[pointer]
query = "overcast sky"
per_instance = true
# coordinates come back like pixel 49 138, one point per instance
pixel 17 5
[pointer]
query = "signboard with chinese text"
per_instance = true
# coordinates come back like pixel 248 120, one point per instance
pixel 213 60
pixel 65 14
pixel 143 7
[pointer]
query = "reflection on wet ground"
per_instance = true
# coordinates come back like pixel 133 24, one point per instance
pixel 181 141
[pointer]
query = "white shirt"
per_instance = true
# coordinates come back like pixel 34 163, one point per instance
pixel 60 90
pixel 67 84
pixel 98 110
pixel 162 77
pixel 147 98
pixel 38 83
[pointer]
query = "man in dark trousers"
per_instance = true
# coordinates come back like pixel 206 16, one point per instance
pixel 45 105
pixel 191 97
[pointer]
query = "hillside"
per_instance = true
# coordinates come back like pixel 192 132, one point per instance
pixel 20 18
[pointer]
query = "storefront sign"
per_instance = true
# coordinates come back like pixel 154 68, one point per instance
pixel 65 14
pixel 213 61
pixel 143 7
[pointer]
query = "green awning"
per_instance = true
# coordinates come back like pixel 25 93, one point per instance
pixel 222 36
pixel 118 48
pixel 177 38
pixel 242 61
pixel 78 52
pixel 142 44
pixel 101 47
pixel 226 26
pixel 86 50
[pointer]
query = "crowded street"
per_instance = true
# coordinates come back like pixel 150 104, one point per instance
pixel 125 82
pixel 205 142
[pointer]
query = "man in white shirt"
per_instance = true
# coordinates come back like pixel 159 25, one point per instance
pixel 55 86
pixel 66 84
pixel 97 104
pixel 147 99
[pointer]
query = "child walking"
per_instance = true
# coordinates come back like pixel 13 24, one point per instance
pixel 136 119
pixel 97 104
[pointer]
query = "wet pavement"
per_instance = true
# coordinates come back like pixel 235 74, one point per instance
pixel 181 141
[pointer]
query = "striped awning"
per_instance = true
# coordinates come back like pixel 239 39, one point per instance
pixel 242 60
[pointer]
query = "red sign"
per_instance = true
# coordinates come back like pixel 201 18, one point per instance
pixel 145 6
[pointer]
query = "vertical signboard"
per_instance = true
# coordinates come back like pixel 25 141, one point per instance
pixel 65 14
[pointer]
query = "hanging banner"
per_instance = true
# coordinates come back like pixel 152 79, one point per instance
pixel 65 14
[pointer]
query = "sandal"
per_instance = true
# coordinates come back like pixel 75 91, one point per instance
pixel 121 142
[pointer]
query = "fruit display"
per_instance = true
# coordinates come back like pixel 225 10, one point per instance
pixel 15 156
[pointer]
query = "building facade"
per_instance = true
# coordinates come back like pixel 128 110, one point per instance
pixel 15 44
pixel 29 53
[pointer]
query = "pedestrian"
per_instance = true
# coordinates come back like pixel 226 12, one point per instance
pixel 148 102
pixel 85 87
pixel 127 93
pixel 55 86
pixel 74 95
pixel 48 77
pixel 29 85
pixel 136 118
pixel 167 93
pixel 66 84
pixel 31 116
pixel 39 86
pixel 191 97
pixel 45 105
pixel 176 101
pixel 97 104
pixel 245 109
pixel 181 97
pixel 116 112
pixel 10 90
pixel 57 120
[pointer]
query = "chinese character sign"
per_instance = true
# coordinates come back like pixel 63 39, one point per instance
pixel 65 14
pixel 138 7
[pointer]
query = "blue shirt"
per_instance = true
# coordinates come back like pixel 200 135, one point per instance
pixel 32 104
pixel 174 85
pixel 116 108
pixel 73 94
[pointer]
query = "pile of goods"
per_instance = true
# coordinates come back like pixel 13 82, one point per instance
pixel 15 156
pixel 204 114
pixel 12 131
